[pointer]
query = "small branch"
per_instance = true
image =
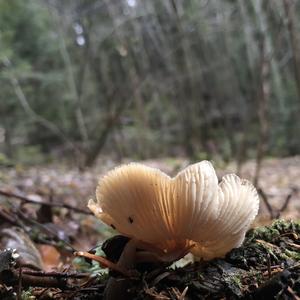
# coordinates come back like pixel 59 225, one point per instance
pixel 275 214
pixel 266 201
pixel 182 296
pixel 5 215
pixel 269 266
pixel 24 278
pixel 19 294
pixel 56 274
pixel 52 204
pixel 28 280
pixel 286 202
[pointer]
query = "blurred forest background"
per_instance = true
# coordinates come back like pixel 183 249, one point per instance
pixel 140 79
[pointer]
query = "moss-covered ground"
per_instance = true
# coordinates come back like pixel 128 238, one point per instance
pixel 266 266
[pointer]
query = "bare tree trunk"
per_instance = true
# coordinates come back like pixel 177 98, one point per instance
pixel 263 103
pixel 8 149
pixel 241 152
pixel 75 92
pixel 251 53
pixel 110 124
pixel 264 86
pixel 270 46
pixel 289 7
pixel 185 96
pixel 141 116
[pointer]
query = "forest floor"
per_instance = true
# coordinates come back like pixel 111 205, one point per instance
pixel 43 214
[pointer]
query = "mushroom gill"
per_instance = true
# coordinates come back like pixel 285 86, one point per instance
pixel 174 215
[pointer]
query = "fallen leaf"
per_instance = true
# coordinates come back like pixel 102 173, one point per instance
pixel 50 256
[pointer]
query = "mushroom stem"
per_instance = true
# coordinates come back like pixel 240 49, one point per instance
pixel 104 262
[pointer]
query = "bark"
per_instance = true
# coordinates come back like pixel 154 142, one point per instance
pixel 289 7
pixel 264 86
pixel 263 105
pixel 109 125
pixel 186 88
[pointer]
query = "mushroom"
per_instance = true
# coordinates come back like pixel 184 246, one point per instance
pixel 171 216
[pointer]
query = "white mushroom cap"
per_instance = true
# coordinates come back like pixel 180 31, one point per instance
pixel 174 213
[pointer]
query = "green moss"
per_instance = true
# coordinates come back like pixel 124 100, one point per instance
pixel 292 254
pixel 286 226
pixel 255 276
pixel 267 234
pixel 26 295
pixel 236 280
pixel 272 232
pixel 268 244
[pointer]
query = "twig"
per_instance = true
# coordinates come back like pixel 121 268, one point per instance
pixel 19 296
pixel 269 266
pixel 52 204
pixel 286 202
pixel 182 296
pixel 13 279
pixel 84 291
pixel 266 201
pixel 8 217
pixel 55 274
pixel 275 214
pixel 292 293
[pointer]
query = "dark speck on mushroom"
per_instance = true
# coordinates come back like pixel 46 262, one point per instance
pixel 130 220
pixel 112 226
